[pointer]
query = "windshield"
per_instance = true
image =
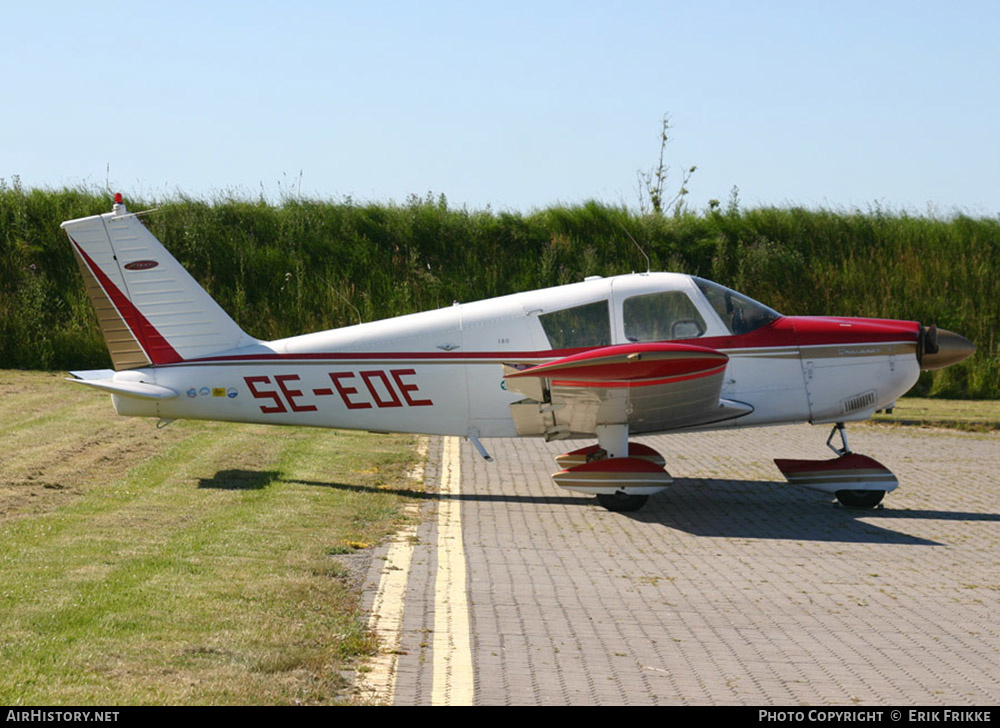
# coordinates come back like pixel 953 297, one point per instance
pixel 740 314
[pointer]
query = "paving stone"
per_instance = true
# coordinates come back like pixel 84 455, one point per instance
pixel 731 587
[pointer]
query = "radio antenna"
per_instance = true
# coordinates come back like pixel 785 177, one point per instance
pixel 648 266
pixel 345 300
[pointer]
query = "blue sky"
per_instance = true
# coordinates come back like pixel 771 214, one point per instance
pixel 516 105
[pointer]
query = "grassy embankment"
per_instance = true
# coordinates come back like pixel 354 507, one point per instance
pixel 202 563
pixel 307 265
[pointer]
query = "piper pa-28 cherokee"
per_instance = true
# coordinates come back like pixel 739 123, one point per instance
pixel 606 358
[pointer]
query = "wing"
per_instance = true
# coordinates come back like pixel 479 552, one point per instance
pixel 651 387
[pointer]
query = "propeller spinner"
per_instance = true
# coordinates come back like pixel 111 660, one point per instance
pixel 941 348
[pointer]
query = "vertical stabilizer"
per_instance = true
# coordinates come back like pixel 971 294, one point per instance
pixel 151 311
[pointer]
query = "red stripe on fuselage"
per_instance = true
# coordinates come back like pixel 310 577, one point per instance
pixel 825 330
pixel 156 347
pixel 817 331
pixel 784 333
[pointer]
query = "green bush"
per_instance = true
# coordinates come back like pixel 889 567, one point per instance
pixel 306 265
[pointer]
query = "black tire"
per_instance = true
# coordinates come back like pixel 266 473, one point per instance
pixel 860 498
pixel 622 502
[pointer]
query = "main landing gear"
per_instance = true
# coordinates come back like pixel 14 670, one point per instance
pixel 620 473
pixel 622 502
pixel 856 480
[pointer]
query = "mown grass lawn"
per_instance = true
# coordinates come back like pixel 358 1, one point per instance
pixel 200 564
pixel 961 414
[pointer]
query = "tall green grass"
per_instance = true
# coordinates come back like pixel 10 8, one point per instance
pixel 305 265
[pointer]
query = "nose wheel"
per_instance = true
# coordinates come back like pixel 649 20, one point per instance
pixel 860 498
pixel 857 481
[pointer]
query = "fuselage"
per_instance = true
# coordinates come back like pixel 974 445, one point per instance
pixel 441 372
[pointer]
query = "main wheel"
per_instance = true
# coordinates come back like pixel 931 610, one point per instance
pixel 622 502
pixel 860 498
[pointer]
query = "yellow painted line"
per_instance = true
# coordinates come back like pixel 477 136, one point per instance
pixel 453 682
pixel 378 684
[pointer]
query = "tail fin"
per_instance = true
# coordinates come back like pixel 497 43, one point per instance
pixel 151 311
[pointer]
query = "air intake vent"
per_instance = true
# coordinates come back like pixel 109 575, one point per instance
pixel 859 402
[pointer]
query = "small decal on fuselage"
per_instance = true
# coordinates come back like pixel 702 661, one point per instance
pixel 141 265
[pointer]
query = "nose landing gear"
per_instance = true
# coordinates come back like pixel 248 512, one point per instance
pixel 857 481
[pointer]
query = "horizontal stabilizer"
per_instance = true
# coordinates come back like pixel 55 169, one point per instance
pixel 102 379
pixel 94 374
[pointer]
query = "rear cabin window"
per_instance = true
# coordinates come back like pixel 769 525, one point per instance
pixel 661 316
pixel 587 325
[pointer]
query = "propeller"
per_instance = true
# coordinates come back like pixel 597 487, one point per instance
pixel 929 340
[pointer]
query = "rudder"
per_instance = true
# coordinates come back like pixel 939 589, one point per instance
pixel 151 311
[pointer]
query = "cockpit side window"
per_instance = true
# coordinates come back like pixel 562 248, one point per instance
pixel 663 316
pixel 740 314
pixel 587 325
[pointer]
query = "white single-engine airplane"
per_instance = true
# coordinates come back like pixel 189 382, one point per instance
pixel 607 357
